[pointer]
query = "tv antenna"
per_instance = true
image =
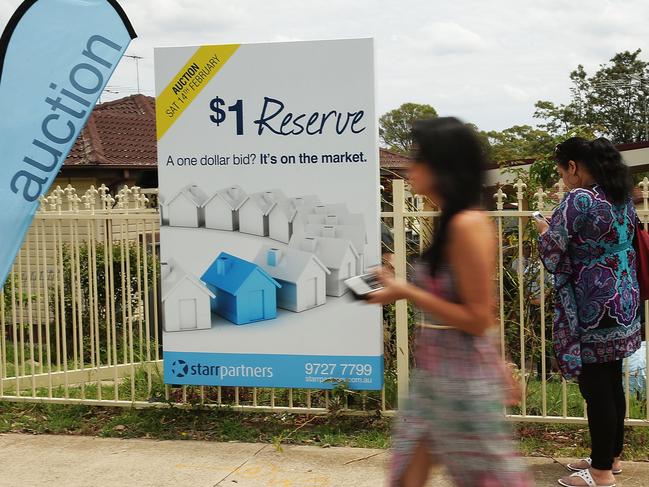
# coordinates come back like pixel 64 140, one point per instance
pixel 137 68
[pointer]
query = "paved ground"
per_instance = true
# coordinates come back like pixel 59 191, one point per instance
pixel 67 461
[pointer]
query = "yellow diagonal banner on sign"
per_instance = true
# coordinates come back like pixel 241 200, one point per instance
pixel 189 82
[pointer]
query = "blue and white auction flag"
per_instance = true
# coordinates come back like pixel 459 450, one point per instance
pixel 56 57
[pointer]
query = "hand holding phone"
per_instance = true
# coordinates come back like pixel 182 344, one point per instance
pixel 539 217
pixel 361 286
pixel 542 223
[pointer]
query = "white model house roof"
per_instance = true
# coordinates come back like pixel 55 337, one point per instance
pixel 332 209
pixel 165 269
pixel 298 204
pixel 176 275
pixel 195 194
pixel 233 196
pixel 306 201
pixel 331 251
pixel 266 200
pixel 355 234
pixel 287 207
pixel 356 219
pixel 290 263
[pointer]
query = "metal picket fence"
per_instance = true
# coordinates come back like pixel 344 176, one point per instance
pixel 80 314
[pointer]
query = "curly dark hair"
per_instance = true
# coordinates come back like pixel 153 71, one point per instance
pixel 603 161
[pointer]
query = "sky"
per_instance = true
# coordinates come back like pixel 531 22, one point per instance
pixel 485 61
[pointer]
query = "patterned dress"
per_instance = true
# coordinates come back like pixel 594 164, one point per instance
pixel 589 249
pixel 455 405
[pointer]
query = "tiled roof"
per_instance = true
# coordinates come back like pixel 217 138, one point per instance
pixel 120 133
pixel 392 160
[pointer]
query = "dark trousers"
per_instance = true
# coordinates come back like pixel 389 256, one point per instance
pixel 601 387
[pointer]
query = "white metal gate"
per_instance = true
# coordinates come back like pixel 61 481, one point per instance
pixel 81 320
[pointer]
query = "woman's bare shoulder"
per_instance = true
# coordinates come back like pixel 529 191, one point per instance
pixel 472 225
pixel 470 220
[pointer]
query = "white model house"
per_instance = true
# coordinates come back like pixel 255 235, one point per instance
pixel 253 213
pixel 185 208
pixel 185 300
pixel 280 220
pixel 301 275
pixel 337 215
pixel 164 220
pixel 307 203
pixel 338 255
pixel 287 213
pixel 339 209
pixel 221 210
pixel 355 234
pixel 333 218
pixel 305 206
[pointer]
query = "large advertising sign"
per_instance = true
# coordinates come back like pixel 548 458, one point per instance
pixel 268 173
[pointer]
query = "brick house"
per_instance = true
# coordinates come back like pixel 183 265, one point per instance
pixel 116 147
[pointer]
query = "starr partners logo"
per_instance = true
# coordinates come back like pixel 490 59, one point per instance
pixel 180 369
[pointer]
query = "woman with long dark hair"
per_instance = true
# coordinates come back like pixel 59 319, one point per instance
pixel 588 246
pixel 454 415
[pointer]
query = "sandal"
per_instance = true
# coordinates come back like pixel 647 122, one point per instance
pixel 585 476
pixel 589 461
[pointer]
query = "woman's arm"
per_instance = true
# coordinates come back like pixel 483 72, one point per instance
pixel 565 223
pixel 471 255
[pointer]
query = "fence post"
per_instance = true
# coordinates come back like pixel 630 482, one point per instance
pixel 500 198
pixel 520 195
pixel 401 311
pixel 644 188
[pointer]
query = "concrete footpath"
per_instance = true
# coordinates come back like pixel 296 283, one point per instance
pixel 69 461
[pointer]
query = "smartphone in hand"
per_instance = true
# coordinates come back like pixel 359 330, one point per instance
pixel 539 217
pixel 361 286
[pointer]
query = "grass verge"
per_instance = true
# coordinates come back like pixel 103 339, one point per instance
pixel 226 426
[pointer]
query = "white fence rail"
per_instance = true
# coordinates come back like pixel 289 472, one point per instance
pixel 80 315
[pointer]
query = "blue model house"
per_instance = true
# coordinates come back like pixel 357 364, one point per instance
pixel 245 293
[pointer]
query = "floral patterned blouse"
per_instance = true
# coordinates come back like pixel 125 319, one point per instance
pixel 589 249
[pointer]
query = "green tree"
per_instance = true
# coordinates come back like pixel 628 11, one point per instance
pixel 543 172
pixel 517 143
pixel 394 126
pixel 613 102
